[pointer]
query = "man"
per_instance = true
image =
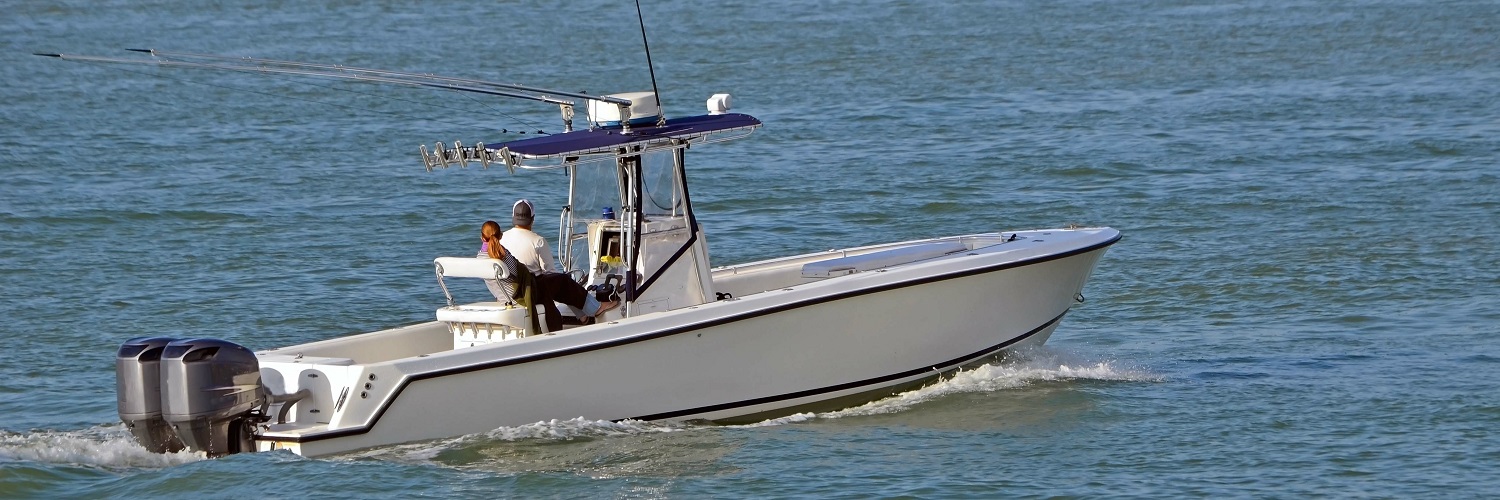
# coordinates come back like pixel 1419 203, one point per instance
pixel 529 248
pixel 547 288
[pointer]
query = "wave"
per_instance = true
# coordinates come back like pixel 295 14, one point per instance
pixel 108 447
pixel 578 428
pixel 1015 371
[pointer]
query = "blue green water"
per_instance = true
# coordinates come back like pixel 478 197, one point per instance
pixel 1305 303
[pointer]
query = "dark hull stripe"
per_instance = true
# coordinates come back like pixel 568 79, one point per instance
pixel 693 328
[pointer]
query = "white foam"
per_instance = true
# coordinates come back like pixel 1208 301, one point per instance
pixel 105 446
pixel 1016 371
pixel 550 430
pixel 789 419
pixel 581 427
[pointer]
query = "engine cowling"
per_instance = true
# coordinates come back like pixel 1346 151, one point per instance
pixel 138 389
pixel 210 390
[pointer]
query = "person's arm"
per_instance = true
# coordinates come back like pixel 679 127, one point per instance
pixel 544 254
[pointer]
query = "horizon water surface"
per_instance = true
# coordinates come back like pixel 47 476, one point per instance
pixel 1305 302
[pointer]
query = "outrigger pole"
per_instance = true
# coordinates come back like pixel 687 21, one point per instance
pixel 335 71
pixel 661 118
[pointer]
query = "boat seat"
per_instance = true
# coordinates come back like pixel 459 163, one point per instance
pixel 484 312
pixel 884 258
pixel 480 322
pixel 483 323
pixel 469 267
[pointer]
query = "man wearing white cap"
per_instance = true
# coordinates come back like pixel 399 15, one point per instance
pixel 529 248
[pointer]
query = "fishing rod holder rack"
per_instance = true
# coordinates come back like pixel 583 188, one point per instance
pixel 442 156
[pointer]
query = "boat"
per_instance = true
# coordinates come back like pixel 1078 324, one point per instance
pixel 691 341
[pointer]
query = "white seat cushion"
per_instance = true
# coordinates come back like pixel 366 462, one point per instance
pixel 470 267
pixel 484 312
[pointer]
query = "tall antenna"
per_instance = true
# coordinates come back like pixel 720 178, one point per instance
pixel 661 118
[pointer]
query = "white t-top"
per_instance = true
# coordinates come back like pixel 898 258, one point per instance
pixel 530 249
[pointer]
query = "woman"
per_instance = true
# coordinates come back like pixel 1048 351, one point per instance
pixel 549 287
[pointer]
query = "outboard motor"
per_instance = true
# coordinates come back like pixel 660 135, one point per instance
pixel 138 387
pixel 211 394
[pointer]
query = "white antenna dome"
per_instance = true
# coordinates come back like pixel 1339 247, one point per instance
pixel 643 110
pixel 718 104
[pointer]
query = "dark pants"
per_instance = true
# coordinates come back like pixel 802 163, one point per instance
pixel 558 287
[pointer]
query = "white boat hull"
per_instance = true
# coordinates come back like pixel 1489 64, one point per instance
pixel 820 344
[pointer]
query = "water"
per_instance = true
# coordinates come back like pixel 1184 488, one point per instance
pixel 1305 301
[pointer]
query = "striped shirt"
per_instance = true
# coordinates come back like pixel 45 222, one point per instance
pixel 504 290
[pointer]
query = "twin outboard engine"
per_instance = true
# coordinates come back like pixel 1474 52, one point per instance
pixel 138 387
pixel 202 394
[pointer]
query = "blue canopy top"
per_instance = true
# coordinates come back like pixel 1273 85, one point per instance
pixel 609 140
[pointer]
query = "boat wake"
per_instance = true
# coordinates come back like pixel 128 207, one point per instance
pixel 574 429
pixel 105 446
pixel 1017 370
